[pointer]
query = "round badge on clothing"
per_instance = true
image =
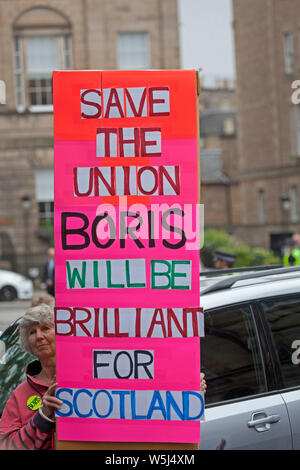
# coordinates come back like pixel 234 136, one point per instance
pixel 34 402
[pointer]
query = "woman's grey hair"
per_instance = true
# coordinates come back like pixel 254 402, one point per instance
pixel 40 314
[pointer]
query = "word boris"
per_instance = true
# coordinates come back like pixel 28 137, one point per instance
pixel 130 102
pixel 131 404
pixel 129 322
pixel 128 273
pixel 116 364
pixel 147 225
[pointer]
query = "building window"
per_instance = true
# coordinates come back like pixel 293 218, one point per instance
pixel 46 213
pixel 261 206
pixel 294 204
pixel 19 77
pixel 229 128
pixel 289 53
pixel 43 54
pixel 42 57
pixel 133 51
pixel 42 43
pixel 44 193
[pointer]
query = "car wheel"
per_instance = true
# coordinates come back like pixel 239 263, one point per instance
pixel 8 293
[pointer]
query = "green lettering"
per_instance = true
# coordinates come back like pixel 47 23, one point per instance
pixel 175 274
pixel 95 272
pixel 128 282
pixel 155 274
pixel 74 275
pixel 109 283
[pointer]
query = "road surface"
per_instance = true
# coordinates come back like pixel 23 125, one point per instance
pixel 10 311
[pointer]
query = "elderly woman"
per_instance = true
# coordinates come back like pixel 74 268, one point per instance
pixel 28 417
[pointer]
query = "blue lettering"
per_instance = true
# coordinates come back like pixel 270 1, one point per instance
pixel 186 405
pixel 122 394
pixel 170 402
pixel 159 406
pixel 133 410
pixel 110 404
pixel 76 394
pixel 66 402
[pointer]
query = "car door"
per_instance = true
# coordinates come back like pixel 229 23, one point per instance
pixel 239 405
pixel 282 316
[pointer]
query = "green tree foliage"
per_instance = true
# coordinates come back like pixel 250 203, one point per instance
pixel 246 256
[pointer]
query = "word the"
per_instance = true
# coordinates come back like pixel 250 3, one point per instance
pixel 128 142
pixel 125 102
pixel 128 273
pixel 129 364
pixel 129 322
pixel 131 404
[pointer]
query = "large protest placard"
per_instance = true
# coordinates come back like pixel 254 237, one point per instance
pixel 127 232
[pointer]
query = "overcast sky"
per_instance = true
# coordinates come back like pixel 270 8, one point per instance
pixel 206 34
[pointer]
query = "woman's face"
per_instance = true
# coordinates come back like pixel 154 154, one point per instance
pixel 41 339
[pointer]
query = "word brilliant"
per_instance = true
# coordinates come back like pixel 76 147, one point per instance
pixel 129 322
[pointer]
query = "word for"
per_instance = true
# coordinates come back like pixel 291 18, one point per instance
pixel 128 273
pixel 131 404
pixel 128 142
pixel 129 364
pixel 129 322
pixel 126 181
pixel 125 102
pixel 105 230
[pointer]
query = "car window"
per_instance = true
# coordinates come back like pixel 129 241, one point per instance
pixel 230 355
pixel 12 364
pixel 283 317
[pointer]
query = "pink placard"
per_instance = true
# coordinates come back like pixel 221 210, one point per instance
pixel 172 371
pixel 126 179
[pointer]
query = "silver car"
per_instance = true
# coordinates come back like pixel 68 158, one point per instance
pixel 250 355
pixel 14 286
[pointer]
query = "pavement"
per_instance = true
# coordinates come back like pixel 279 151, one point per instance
pixel 11 311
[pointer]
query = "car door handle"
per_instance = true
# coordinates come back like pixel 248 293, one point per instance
pixel 261 421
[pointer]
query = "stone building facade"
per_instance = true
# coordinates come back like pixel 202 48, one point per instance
pixel 38 36
pixel 218 162
pixel 267 44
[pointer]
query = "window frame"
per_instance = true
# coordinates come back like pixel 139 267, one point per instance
pixel 261 206
pixel 148 49
pixel 279 383
pixel 289 52
pixel 21 79
pixel 294 196
pixel 261 340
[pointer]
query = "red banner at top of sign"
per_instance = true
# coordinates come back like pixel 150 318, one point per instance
pixel 136 97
